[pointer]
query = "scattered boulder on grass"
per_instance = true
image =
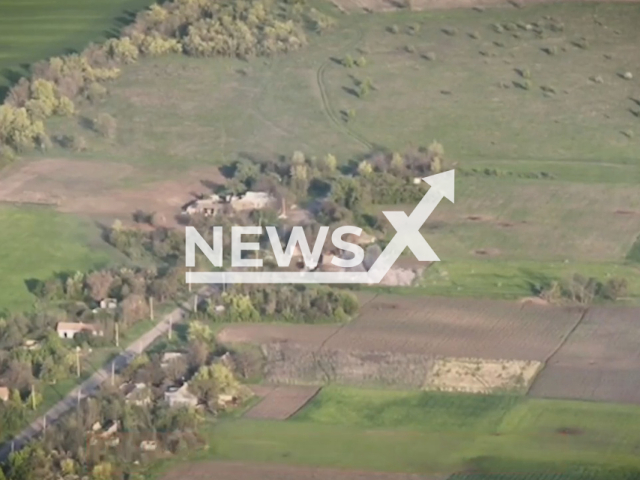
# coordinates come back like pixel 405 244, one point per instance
pixel 597 79
pixel 627 75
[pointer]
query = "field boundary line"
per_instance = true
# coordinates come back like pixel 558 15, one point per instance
pixel 324 342
pixel 305 403
pixel 561 344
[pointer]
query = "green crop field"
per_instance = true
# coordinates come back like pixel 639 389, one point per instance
pixel 37 242
pixel 436 433
pixel 35 30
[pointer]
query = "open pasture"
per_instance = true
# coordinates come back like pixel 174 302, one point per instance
pixel 262 471
pixel 429 434
pixel 599 361
pixel 37 242
pixel 273 106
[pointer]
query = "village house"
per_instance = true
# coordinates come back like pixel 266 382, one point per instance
pixel 108 303
pixel 31 345
pixel 169 357
pixel 138 394
pixel 4 394
pixel 207 206
pixel 214 203
pixel 180 397
pixel 148 445
pixel 69 329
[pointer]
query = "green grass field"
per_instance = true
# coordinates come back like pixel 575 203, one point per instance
pixel 435 433
pixel 35 30
pixel 38 242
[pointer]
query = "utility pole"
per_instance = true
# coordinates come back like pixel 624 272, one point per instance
pixel 195 303
pixel 79 394
pixel 78 361
pixel 117 334
pixel 113 373
pixel 151 307
pixel 189 280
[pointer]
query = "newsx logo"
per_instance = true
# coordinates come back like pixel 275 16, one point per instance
pixel 407 235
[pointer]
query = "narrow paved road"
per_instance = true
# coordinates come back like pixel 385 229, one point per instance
pixel 90 386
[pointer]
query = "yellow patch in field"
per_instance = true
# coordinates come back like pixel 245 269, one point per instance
pixel 472 375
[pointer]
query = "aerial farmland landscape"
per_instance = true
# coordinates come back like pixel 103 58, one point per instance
pixel 503 339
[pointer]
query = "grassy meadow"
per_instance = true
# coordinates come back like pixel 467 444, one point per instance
pixel 35 30
pixel 434 433
pixel 577 122
pixel 37 242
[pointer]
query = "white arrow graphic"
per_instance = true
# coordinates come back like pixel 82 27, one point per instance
pixel 407 235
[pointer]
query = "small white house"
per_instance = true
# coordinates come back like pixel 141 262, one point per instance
pixel 180 397
pixel 169 357
pixel 139 394
pixel 69 329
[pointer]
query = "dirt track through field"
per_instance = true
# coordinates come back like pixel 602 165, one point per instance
pixel 253 471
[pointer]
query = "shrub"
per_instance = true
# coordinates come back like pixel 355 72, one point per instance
pixel 524 72
pixel 95 92
pixel 451 31
pixel 361 62
pixel 122 50
pixel 497 28
pixel 431 56
pixel 582 43
pixel 7 155
pixel 474 35
pixel 510 27
pixel 347 61
pixel 548 89
pixel 552 50
pixel 410 48
pixel 393 29
pixel 105 125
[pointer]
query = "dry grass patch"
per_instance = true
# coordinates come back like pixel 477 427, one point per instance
pixel 469 375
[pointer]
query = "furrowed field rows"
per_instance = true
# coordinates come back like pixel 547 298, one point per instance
pixel 458 328
pixel 600 360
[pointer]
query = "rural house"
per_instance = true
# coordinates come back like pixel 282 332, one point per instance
pixel 4 394
pixel 138 394
pixel 108 303
pixel 213 203
pixel 252 201
pixel 180 397
pixel 169 357
pixel 69 329
pixel 207 206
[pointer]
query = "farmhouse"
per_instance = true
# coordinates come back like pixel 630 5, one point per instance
pixel 4 394
pixel 207 206
pixel 251 201
pixel 214 203
pixel 138 394
pixel 69 329
pixel 169 357
pixel 180 397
